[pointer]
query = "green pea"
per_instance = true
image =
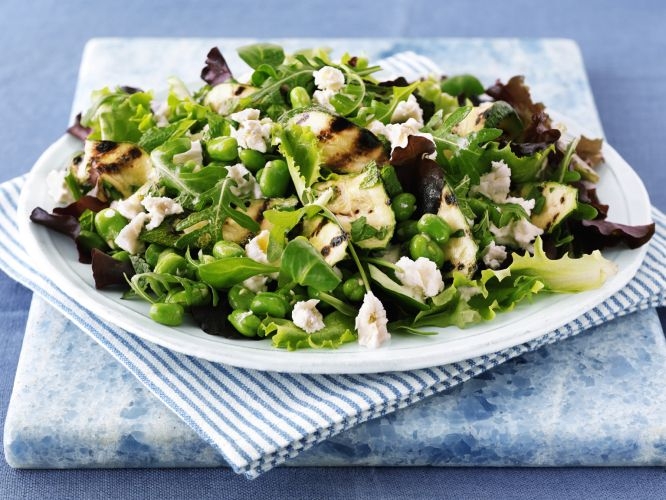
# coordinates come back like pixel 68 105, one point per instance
pixel 172 263
pixel 240 297
pixel 403 205
pixel 152 253
pixel 270 304
pixel 274 180
pixel 121 255
pixel 252 159
pixel 198 295
pixel 299 97
pixel 422 246
pixel 90 240
pixel 244 322
pixel 222 148
pixel 353 289
pixel 223 249
pixel 435 227
pixel 406 230
pixel 167 314
pixel 108 224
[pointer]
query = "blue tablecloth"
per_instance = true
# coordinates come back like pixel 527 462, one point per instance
pixel 624 46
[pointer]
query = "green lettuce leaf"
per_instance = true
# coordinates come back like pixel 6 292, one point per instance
pixel 119 115
pixel 338 330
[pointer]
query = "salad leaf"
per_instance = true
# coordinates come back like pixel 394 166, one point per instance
pixel 462 85
pixel 533 115
pixel 338 330
pixel 300 147
pixel 108 271
pixel 226 272
pixel 304 265
pixel 259 54
pixel 603 233
pixel 565 274
pixel 523 168
pixel 119 116
pixel 216 69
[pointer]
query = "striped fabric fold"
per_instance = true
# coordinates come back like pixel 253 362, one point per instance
pixel 257 420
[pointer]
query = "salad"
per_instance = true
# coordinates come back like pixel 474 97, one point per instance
pixel 314 205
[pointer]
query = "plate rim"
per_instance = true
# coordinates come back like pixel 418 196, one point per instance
pixel 383 359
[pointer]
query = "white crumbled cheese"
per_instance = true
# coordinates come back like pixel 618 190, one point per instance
pixel 129 207
pixel 323 99
pixel 306 316
pixel 57 188
pixel 329 78
pixel 257 248
pixel 398 133
pixel 494 255
pixel 158 208
pixel 371 322
pixel 245 181
pixel 256 284
pixel 495 184
pixel 252 133
pixel 128 237
pixel 377 128
pixel 245 115
pixel 528 205
pixel 520 233
pixel 406 110
pixel 421 276
pixel 194 154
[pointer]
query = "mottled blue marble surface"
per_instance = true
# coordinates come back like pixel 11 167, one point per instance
pixel 566 404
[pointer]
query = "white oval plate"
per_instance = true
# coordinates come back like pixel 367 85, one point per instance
pixel 56 256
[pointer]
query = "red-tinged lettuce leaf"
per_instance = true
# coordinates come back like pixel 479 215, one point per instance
pixel 216 69
pixel 587 193
pixel 537 122
pixel 213 321
pixel 81 205
pixel 108 271
pixel 79 131
pixel 608 234
pixel 64 224
pixel 418 174
pixel 130 90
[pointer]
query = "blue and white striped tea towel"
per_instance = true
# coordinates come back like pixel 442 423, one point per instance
pixel 258 420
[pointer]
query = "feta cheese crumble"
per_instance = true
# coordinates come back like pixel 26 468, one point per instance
pixel 406 110
pixel 57 187
pixel 371 322
pixel 129 207
pixel 128 237
pixel 158 208
pixel 245 182
pixel 323 99
pixel 256 284
pixel 252 133
pixel 495 184
pixel 398 133
pixel 329 78
pixel 329 81
pixel 306 316
pixel 194 154
pixel 421 276
pixel 257 248
pixel 494 255
pixel 519 233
